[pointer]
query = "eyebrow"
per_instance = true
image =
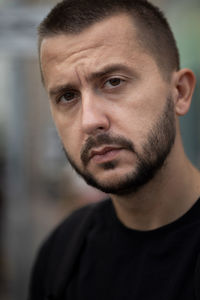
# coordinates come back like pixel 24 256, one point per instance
pixel 95 75
pixel 109 69
pixel 60 89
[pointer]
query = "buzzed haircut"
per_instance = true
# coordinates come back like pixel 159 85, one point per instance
pixel 153 31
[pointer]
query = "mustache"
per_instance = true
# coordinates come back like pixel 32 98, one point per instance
pixel 104 139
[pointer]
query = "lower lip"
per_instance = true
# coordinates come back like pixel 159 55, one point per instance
pixel 108 156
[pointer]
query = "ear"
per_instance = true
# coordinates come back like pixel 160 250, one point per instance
pixel 184 87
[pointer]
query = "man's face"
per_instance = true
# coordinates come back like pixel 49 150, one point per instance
pixel 113 110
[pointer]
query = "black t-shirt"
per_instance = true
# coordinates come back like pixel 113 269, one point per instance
pixel 118 263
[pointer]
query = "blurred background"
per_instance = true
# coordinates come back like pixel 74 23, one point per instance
pixel 37 186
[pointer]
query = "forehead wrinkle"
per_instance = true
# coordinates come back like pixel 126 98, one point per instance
pixel 80 75
pixel 55 54
pixel 77 62
pixel 80 53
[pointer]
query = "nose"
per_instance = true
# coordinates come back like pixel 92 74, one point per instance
pixel 94 114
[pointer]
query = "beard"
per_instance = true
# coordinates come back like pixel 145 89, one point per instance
pixel 150 160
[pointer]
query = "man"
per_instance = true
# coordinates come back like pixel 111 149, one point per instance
pixel 116 91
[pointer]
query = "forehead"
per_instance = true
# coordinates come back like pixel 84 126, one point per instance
pixel 107 41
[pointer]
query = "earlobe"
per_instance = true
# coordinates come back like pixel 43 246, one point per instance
pixel 185 84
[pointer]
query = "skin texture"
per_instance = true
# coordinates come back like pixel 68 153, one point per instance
pixel 107 96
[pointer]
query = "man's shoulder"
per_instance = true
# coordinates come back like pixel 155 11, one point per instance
pixel 75 225
pixel 60 251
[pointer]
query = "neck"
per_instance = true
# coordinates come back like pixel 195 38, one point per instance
pixel 168 196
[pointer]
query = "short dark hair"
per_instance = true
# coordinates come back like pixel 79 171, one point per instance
pixel 153 30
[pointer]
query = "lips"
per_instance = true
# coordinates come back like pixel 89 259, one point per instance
pixel 103 147
pixel 104 154
pixel 102 151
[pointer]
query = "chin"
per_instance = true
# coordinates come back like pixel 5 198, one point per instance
pixel 120 184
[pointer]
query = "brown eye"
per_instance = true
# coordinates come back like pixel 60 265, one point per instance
pixel 113 82
pixel 68 96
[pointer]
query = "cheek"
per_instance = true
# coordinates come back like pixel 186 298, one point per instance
pixel 72 144
pixel 71 139
pixel 69 134
pixel 135 120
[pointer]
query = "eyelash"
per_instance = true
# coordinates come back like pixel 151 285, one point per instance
pixel 114 79
pixel 59 99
